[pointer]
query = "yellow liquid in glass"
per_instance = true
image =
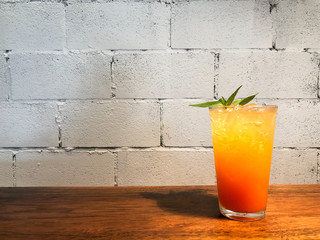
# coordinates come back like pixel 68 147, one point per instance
pixel 242 143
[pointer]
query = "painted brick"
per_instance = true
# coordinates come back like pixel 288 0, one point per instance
pixel 291 166
pixel 118 25
pixel 164 75
pixel 271 74
pixel 111 124
pixel 318 165
pixel 28 125
pixel 64 169
pixel 298 123
pixel 297 24
pixel 31 26
pixel 166 167
pixel 60 76
pixel 184 125
pixel 16 1
pixel 4 86
pixel 6 170
pixel 221 24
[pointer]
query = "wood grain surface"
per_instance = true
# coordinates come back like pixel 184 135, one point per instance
pixel 293 212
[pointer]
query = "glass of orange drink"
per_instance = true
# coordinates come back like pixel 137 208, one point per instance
pixel 242 144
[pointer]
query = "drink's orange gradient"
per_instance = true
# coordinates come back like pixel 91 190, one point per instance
pixel 242 144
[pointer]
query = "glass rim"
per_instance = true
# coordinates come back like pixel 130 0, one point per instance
pixel 244 106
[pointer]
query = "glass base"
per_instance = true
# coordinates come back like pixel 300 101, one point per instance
pixel 245 217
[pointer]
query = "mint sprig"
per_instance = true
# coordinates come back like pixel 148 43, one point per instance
pixel 247 99
pixel 223 102
pixel 231 98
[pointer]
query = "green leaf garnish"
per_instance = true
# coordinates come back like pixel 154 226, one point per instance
pixel 237 101
pixel 207 104
pixel 223 102
pixel 247 99
pixel 233 95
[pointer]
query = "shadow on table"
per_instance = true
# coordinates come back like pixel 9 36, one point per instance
pixel 193 203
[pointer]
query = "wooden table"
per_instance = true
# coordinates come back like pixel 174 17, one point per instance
pixel 152 213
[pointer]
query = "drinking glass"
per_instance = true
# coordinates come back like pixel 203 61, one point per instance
pixel 242 144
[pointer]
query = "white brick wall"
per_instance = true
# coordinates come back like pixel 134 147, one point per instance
pixel 28 125
pixel 4 85
pixel 184 125
pixel 271 74
pixel 118 25
pixel 318 169
pixel 31 26
pixel 111 124
pixel 96 93
pixel 37 168
pixel 294 166
pixel 298 123
pixel 6 169
pixel 164 75
pixel 221 24
pixel 297 24
pixel 60 76
pixel 166 167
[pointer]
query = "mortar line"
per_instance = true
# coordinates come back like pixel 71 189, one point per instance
pixel 59 121
pixel 64 27
pixel 59 136
pixel 161 123
pixel 14 183
pixel 8 74
pixel 113 84
pixel 296 148
pixel 115 169
pixel 168 50
pixel 272 10
pixel 89 149
pixel 216 74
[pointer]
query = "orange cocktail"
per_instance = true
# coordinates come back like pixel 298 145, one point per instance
pixel 242 143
